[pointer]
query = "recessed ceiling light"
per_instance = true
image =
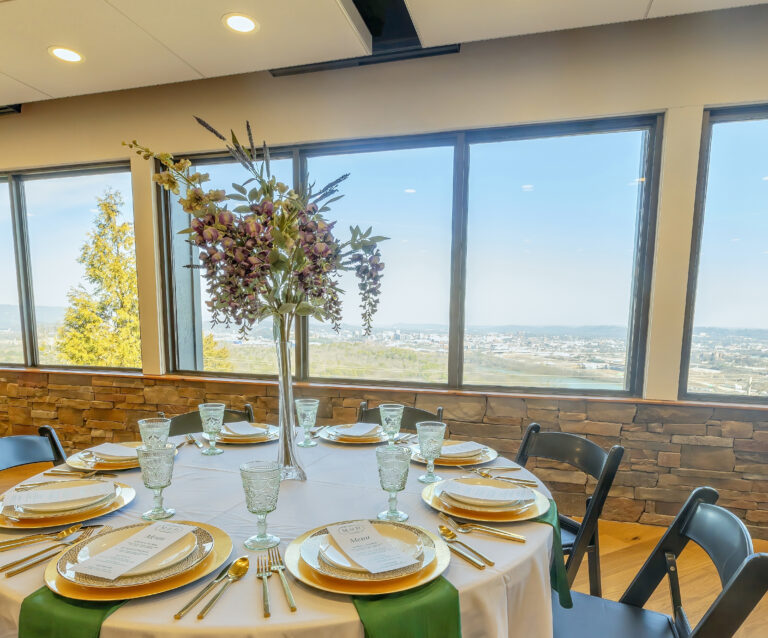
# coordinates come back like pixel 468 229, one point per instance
pixel 68 55
pixel 240 23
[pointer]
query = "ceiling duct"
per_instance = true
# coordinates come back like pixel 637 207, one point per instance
pixel 10 108
pixel 393 38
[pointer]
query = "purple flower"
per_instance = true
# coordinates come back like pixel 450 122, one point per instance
pixel 210 234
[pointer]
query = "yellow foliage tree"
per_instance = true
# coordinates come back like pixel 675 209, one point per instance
pixel 101 324
pixel 215 357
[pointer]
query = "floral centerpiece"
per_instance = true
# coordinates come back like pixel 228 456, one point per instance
pixel 273 255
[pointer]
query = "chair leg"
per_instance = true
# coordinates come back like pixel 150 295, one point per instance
pixel 593 560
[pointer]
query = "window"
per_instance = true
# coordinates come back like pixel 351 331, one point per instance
pixel 517 257
pixel 550 259
pixel 727 347
pixel 201 346
pixel 11 339
pixel 404 194
pixel 75 239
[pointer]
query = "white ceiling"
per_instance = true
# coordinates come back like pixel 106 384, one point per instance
pixel 131 43
pixel 441 22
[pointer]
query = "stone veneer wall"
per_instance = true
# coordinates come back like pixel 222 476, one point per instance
pixel 669 448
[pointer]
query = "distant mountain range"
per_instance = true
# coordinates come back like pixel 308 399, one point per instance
pixel 46 316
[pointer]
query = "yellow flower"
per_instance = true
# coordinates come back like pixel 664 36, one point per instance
pixel 182 165
pixel 167 181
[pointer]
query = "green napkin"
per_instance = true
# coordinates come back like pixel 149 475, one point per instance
pixel 557 575
pixel 430 611
pixel 44 613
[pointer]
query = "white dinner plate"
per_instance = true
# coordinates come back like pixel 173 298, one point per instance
pixel 466 500
pixel 74 504
pixel 447 445
pixel 342 432
pixel 175 559
pixel 260 431
pixel 400 538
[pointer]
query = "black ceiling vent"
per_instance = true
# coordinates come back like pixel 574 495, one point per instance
pixel 10 108
pixel 393 38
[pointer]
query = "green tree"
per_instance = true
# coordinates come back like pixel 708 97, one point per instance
pixel 215 357
pixel 101 324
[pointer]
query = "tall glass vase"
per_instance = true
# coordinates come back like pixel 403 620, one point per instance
pixel 287 457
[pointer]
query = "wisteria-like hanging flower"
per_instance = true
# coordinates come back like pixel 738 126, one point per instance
pixel 274 253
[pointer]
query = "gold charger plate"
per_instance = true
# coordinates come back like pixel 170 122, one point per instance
pixel 125 494
pixel 540 506
pixel 77 462
pixel 328 435
pixel 486 456
pixel 222 548
pixel 303 572
pixel 273 434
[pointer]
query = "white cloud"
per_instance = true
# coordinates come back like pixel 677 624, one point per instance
pixel 410 190
pixel 527 188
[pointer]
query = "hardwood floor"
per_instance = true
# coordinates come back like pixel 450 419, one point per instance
pixel 624 548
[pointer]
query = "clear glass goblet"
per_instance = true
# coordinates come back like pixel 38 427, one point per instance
pixel 154 431
pixel 393 465
pixel 391 417
pixel 431 434
pixel 212 418
pixel 306 410
pixel 156 471
pixel 261 482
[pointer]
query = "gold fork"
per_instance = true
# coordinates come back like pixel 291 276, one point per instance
pixel 49 552
pixel 263 572
pixel 276 565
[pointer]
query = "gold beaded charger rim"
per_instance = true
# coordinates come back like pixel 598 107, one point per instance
pixel 273 434
pixel 311 556
pixel 304 573
pixel 430 495
pixel 486 456
pixel 125 494
pixel 222 548
pixel 68 560
pixel 328 435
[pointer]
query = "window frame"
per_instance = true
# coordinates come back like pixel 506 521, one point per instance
pixel 460 140
pixel 24 279
pixel 711 117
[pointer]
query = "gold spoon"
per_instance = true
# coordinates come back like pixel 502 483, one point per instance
pixel 39 538
pixel 449 535
pixel 236 571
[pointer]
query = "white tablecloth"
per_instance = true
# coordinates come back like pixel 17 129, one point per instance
pixel 510 599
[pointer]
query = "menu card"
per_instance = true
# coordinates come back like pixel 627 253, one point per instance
pixel 57 495
pixel 488 492
pixel 361 542
pixel 133 551
pixel 114 449
pixel 356 429
pixel 243 428
pixel 467 448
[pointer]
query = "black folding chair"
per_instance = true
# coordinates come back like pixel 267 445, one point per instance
pixel 577 538
pixel 411 416
pixel 743 575
pixel 190 422
pixel 24 449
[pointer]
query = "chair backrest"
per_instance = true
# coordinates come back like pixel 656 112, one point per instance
pixel 190 422
pixel 743 574
pixel 23 449
pixel 588 457
pixel 411 416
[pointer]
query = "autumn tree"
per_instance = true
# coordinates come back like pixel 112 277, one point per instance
pixel 215 357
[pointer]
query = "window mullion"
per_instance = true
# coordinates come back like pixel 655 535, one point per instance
pixel 458 261
pixel 23 271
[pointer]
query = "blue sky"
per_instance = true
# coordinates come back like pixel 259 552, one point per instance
pixel 551 228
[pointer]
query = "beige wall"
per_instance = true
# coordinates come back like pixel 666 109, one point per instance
pixel 676 65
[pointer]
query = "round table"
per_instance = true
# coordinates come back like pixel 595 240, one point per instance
pixel 510 599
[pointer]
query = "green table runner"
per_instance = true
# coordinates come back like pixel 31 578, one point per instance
pixel 45 614
pixel 557 575
pixel 430 611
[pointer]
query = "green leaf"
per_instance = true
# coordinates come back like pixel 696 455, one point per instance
pixel 376 239
pixel 304 309
pixel 186 231
pixel 239 198
pixel 238 188
pixel 242 209
pixel 286 308
pixel 254 193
